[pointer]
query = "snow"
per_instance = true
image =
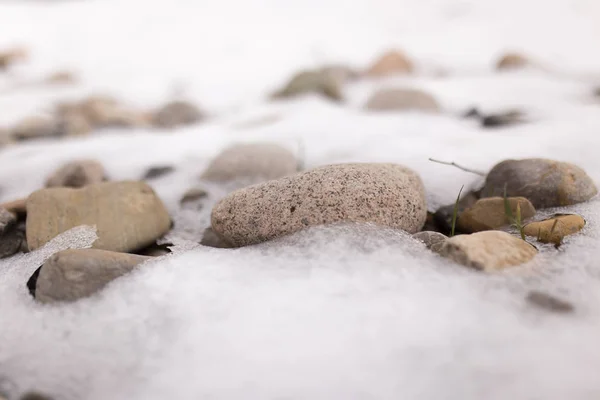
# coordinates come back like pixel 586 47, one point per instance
pixel 344 312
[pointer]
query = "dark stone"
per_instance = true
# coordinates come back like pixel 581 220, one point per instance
pixel 12 240
pixel 156 250
pixel 157 172
pixel 32 282
pixel 472 113
pixel 35 396
pixel 502 119
pixel 193 195
pixel 549 302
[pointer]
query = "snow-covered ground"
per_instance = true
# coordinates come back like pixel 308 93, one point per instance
pixel 330 313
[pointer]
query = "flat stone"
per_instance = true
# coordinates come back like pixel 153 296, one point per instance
pixel 506 118
pixel 391 63
pixel 158 171
pixel 489 213
pixel 388 195
pixel 549 302
pixel 177 113
pixel 251 161
pixel 545 183
pixel 128 215
pixel 553 230
pixel 77 174
pixel 35 396
pixel 402 100
pixel 73 274
pixel 36 127
pixel 433 240
pixel 193 195
pixel 318 82
pixel 488 251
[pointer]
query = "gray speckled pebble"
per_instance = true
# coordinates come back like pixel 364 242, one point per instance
pixel 384 194
pixel 545 183
pixel 433 240
pixel 251 161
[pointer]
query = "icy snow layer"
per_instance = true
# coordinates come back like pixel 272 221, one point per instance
pixel 330 313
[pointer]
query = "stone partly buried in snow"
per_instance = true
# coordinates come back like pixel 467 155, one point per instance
pixel 384 194
pixel 488 251
pixel 177 113
pixel 402 100
pixel 72 274
pixel 128 215
pixel 434 241
pixel 251 161
pixel 512 61
pixel 391 63
pixel 553 230
pixel 77 174
pixel 37 127
pixel 320 82
pixel 12 233
pixel 490 213
pixel 546 183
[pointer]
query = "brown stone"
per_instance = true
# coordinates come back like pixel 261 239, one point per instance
pixel 128 215
pixel 512 61
pixel 391 63
pixel 388 195
pixel 553 230
pixel 12 56
pixel 193 195
pixel 73 274
pixel 402 100
pixel 16 206
pixel 211 239
pixel 61 77
pixel 36 127
pixel 549 302
pixel 433 240
pixel 489 213
pixel 77 174
pixel 488 251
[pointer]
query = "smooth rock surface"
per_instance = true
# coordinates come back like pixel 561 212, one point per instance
pixel 402 100
pixel 545 183
pixel 488 251
pixel 73 274
pixel 128 215
pixel 388 195
pixel 36 127
pixel 433 240
pixel 391 63
pixel 251 161
pixel 193 195
pixel 553 230
pixel 77 174
pixel 489 213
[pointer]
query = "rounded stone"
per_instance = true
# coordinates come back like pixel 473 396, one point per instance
pixel 391 63
pixel 545 183
pixel 488 251
pixel 73 274
pixel 77 174
pixel 36 127
pixel 388 195
pixel 251 161
pixel 553 230
pixel 128 215
pixel 402 100
pixel 512 61
pixel 490 213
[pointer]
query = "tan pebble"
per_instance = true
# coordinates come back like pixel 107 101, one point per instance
pixel 511 61
pixel 77 174
pixel 391 63
pixel 553 230
pixel 402 100
pixel 490 213
pixel 488 251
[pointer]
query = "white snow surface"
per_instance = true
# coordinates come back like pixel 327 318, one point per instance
pixel 339 312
